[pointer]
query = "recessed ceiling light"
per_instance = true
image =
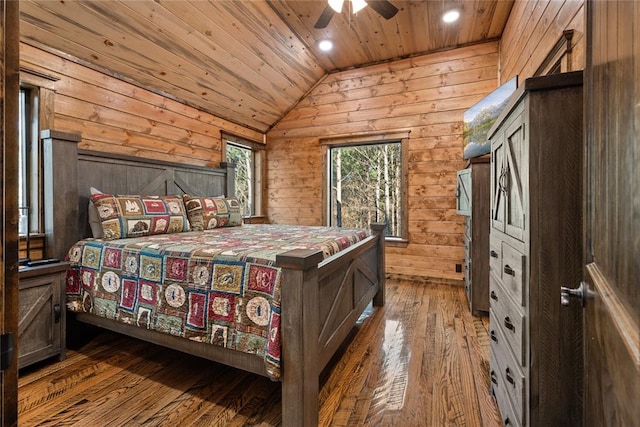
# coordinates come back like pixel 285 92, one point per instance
pixel 325 45
pixel 451 16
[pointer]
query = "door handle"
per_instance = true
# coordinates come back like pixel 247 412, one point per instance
pixel 493 335
pixel 494 296
pixel 582 291
pixel 493 254
pixel 494 377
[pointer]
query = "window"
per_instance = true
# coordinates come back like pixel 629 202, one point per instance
pixel 366 185
pixel 28 170
pixel 247 156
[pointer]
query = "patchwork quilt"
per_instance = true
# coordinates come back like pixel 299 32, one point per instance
pixel 218 286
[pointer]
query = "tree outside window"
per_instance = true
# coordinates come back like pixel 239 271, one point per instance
pixel 366 186
pixel 243 158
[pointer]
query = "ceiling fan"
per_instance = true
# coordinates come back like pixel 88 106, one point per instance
pixel 383 7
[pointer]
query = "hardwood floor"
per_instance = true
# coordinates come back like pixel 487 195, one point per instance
pixel 422 360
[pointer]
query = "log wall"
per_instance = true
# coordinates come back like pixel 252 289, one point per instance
pixel 533 29
pixel 426 95
pixel 117 117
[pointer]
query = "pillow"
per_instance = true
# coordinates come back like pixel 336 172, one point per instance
pixel 94 219
pixel 207 213
pixel 135 216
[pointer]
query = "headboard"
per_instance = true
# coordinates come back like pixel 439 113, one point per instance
pixel 71 172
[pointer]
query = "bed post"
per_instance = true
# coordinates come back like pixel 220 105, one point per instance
pixel 378 229
pixel 60 151
pixel 230 190
pixel 299 334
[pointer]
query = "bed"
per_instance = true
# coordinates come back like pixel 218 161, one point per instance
pixel 311 328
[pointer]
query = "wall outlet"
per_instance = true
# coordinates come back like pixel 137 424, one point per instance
pixel 458 268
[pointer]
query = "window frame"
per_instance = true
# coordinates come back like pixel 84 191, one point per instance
pixel 257 150
pixel 371 139
pixel 43 87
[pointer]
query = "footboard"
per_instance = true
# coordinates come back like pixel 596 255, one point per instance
pixel 321 302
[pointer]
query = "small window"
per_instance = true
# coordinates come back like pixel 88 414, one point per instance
pixel 28 162
pixel 247 156
pixel 366 185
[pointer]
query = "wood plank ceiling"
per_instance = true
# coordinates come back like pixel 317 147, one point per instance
pixel 249 62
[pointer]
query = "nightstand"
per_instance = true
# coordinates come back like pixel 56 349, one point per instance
pixel 42 320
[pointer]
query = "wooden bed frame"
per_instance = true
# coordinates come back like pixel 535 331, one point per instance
pixel 312 328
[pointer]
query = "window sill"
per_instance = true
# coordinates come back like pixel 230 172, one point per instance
pixel 396 242
pixel 255 219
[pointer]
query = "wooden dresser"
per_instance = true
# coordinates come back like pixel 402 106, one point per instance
pixel 535 248
pixel 473 201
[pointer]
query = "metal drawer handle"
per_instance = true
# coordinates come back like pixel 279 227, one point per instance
pixel 508 324
pixel 493 335
pixel 57 313
pixel 494 377
pixel 508 270
pixel 494 296
pixel 493 254
pixel 457 191
pixel 509 377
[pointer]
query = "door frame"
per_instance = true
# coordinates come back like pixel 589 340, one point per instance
pixel 9 88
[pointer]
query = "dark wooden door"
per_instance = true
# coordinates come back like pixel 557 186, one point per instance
pixel 612 226
pixel 9 88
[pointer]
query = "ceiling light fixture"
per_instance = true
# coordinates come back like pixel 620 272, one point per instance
pixel 357 5
pixel 451 16
pixel 336 5
pixel 325 45
pixel 383 8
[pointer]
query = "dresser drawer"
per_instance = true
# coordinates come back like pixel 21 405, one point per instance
pixel 513 266
pixel 515 383
pixel 499 388
pixel 508 318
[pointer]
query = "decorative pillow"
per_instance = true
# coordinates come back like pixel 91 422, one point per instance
pixel 135 216
pixel 207 213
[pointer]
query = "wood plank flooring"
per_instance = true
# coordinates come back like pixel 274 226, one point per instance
pixel 422 360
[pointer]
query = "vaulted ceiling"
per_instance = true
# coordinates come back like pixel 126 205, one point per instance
pixel 249 62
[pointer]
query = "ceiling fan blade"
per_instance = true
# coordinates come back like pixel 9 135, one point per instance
pixel 383 7
pixel 325 17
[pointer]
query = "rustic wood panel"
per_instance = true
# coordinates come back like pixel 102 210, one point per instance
pixel 365 38
pixel 236 60
pixel 612 232
pixel 533 29
pixel 422 361
pixel 426 95
pixel 118 117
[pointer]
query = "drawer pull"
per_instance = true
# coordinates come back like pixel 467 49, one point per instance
pixel 493 254
pixel 493 335
pixel 509 377
pixel 508 270
pixel 494 296
pixel 508 324
pixel 57 313
pixel 494 377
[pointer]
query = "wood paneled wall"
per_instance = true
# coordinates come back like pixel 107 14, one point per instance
pixel 426 95
pixel 118 117
pixel 533 29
